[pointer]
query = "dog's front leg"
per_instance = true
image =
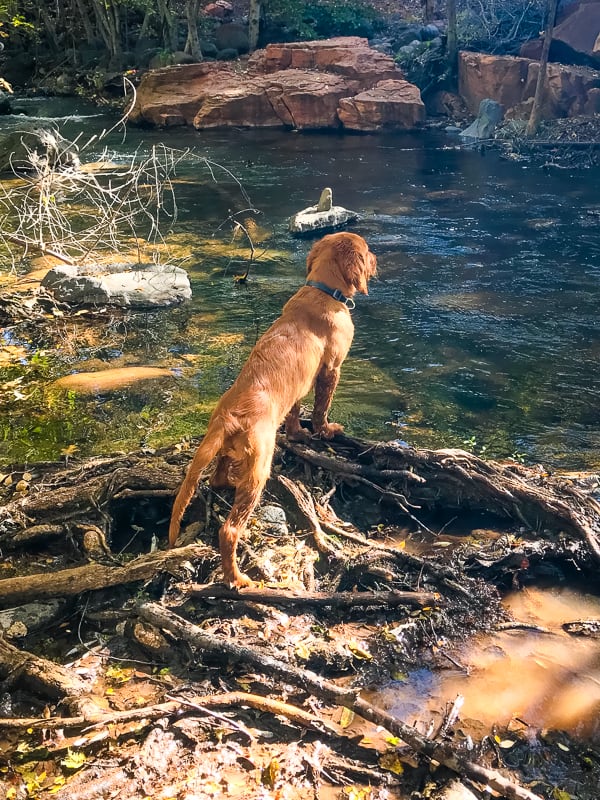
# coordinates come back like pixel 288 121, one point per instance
pixel 325 386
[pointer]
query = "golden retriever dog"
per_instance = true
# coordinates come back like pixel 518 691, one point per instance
pixel 302 350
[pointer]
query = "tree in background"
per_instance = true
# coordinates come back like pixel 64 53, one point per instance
pixel 540 86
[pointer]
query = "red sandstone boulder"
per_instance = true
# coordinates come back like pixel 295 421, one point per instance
pixel 305 92
pixel 293 98
pixel 173 95
pixel 571 90
pixel 501 78
pixel 392 104
pixel 349 56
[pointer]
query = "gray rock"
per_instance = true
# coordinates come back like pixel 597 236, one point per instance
pixel 326 200
pixel 33 148
pixel 179 57
pixel 429 32
pixel 489 117
pixel 122 285
pixel 209 49
pixel 18 622
pixel 232 36
pixel 273 517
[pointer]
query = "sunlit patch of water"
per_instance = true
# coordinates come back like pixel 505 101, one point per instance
pixel 542 679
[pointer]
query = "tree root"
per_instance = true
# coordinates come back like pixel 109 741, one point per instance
pixel 337 600
pixel 331 693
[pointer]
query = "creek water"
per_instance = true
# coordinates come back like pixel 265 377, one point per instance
pixel 481 331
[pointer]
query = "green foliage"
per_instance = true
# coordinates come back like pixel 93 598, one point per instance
pixel 322 18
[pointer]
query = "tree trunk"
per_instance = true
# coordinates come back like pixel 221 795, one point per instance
pixel 452 43
pixel 169 26
pixel 192 45
pixel 429 9
pixel 108 17
pixel 50 27
pixel 540 87
pixel 88 28
pixel 254 23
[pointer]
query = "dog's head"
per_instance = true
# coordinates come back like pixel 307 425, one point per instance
pixel 342 261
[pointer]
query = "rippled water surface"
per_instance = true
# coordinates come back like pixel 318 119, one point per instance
pixel 481 331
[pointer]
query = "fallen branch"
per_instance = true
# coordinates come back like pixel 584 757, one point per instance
pixel 337 600
pixel 97 720
pixel 305 512
pixel 330 692
pixel 70 582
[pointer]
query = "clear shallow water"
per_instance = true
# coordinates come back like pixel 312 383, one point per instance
pixel 481 329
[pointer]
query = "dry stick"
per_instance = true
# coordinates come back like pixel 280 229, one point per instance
pixel 69 582
pixel 318 599
pixel 328 691
pixel 227 700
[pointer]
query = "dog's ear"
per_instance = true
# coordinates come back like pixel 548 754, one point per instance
pixel 358 264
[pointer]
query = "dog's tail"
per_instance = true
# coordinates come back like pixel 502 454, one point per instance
pixel 207 450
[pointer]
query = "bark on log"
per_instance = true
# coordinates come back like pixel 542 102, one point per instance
pixel 316 599
pixel 47 678
pixel 69 582
pixel 331 693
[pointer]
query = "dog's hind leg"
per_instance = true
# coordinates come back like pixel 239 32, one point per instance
pixel 253 475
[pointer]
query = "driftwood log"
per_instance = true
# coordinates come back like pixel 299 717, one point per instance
pixel 75 581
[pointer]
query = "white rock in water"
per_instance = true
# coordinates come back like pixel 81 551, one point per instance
pixel 123 285
pixel 311 219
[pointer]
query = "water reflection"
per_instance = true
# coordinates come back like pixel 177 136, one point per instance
pixel 482 327
pixel 518 677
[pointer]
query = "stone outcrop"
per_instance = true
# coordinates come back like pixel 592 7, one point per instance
pixel 292 98
pixel 322 217
pixel 390 105
pixel 511 81
pixel 302 85
pixel 349 56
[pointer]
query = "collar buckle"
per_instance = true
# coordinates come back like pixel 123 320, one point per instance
pixel 335 293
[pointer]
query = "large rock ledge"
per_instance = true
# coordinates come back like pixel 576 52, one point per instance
pixel 571 90
pixel 303 85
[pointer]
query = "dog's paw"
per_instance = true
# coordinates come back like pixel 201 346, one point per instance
pixel 238 580
pixel 298 435
pixel 330 430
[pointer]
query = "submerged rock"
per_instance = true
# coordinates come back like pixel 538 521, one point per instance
pixel 122 285
pixel 322 217
pixel 36 149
